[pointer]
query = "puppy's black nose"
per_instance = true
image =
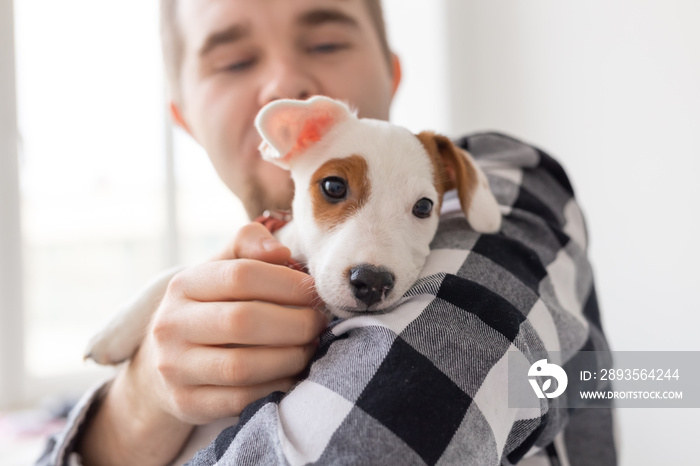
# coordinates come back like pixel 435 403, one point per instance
pixel 369 283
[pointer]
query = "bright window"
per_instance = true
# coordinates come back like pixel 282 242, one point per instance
pixel 109 195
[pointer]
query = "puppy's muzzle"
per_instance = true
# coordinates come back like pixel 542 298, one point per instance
pixel 370 283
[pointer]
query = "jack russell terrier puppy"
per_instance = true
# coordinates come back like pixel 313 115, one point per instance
pixel 366 207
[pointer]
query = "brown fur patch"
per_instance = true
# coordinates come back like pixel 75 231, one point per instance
pixel 354 171
pixel 451 168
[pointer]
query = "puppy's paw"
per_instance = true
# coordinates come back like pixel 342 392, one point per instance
pixel 122 336
pixel 113 345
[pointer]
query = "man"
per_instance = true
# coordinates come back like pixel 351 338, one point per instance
pixel 225 60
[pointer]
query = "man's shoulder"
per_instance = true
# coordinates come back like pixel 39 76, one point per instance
pixel 485 143
pixel 494 150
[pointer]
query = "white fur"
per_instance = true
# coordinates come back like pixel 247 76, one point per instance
pixel 483 214
pixel 280 122
pixel 121 337
pixel 384 232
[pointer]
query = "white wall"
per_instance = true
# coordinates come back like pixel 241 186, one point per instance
pixel 11 366
pixel 421 100
pixel 612 89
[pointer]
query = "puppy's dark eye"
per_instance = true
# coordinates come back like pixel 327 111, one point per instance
pixel 334 189
pixel 422 208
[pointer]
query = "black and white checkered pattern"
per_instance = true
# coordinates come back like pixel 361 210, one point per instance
pixel 427 383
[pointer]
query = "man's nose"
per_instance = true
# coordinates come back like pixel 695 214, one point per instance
pixel 287 81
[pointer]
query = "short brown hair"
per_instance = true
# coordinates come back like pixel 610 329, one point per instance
pixel 173 45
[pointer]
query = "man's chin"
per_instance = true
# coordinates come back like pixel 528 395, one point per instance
pixel 256 201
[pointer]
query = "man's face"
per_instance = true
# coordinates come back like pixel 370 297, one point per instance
pixel 241 54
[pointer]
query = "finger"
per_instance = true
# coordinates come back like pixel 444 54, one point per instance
pixel 242 367
pixel 252 323
pixel 254 241
pixel 245 280
pixel 205 403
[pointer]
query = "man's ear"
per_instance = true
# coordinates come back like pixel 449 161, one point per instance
pixel 395 73
pixel 179 120
pixel 290 127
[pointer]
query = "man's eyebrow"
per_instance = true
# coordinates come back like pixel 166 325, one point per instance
pixel 321 16
pixel 225 36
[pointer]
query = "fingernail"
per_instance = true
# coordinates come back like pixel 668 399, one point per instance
pixel 270 244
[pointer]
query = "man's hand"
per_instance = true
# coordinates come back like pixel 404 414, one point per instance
pixel 223 336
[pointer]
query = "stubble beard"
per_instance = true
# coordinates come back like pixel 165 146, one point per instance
pixel 257 200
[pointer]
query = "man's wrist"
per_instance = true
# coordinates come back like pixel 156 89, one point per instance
pixel 128 428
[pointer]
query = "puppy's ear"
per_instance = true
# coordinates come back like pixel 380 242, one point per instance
pixel 289 127
pixel 455 168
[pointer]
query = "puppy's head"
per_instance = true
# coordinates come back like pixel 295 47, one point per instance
pixel 367 198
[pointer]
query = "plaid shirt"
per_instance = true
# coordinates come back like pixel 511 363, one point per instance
pixel 427 383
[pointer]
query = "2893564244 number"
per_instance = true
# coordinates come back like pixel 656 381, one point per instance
pixel 639 374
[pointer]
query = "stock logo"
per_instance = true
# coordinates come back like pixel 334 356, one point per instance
pixel 543 369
